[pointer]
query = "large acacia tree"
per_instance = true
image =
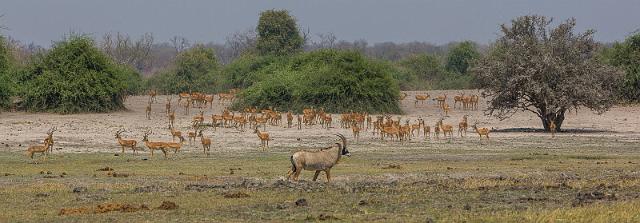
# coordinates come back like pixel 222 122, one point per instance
pixel 545 70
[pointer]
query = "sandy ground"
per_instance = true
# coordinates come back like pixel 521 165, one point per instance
pixel 95 132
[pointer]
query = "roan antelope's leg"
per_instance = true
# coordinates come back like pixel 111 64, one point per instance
pixel 297 174
pixel 315 176
pixel 328 172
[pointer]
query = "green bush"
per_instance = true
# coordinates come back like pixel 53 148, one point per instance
pixel 338 81
pixel 196 69
pixel 74 76
pixel 5 82
pixel 626 56
pixel 426 72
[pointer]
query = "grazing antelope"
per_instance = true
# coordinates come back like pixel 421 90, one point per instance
pixel 148 110
pixel 42 149
pixel 129 143
pixel 175 134
pixel 319 160
pixel 206 143
pixel 264 138
pixel 421 99
pixel 462 126
pixel 154 145
pixel 481 131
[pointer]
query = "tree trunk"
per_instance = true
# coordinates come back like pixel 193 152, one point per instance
pixel 557 118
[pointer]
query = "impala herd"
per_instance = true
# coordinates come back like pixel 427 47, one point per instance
pixel 384 127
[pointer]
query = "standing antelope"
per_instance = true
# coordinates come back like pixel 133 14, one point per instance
pixel 264 138
pixel 462 126
pixel 42 149
pixel 458 99
pixel 421 98
pixel 299 121
pixel 148 110
pixel 130 143
pixel 481 131
pixel 175 145
pixel 206 143
pixel 172 118
pixel 289 119
pixel 356 130
pixel 152 96
pixel 445 129
pixel 154 145
pixel 50 138
pixel 320 160
pixel 167 106
pixel 441 100
pixel 175 134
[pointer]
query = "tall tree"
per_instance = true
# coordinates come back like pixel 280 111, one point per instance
pixel 545 70
pixel 278 33
pixel 460 57
pixel 192 66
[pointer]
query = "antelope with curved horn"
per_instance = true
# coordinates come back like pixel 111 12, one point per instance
pixel 154 145
pixel 206 143
pixel 129 143
pixel 481 131
pixel 42 149
pixel 320 160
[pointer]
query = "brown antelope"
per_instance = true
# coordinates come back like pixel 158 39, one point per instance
pixel 356 131
pixel 474 102
pixel 416 127
pixel 187 105
pixel 172 118
pixel 208 100
pixel 441 100
pixel 148 110
pixel 466 103
pixel 446 129
pixel 206 143
pixel 436 130
pixel 421 98
pixel 481 131
pixel 403 95
pixel 42 149
pixel 175 145
pixel 458 99
pixel 50 138
pixel 446 109
pixel 154 145
pixel 289 119
pixel 175 134
pixel 327 121
pixel 129 143
pixel 391 131
pixel 427 131
pixel 183 95
pixel 167 106
pixel 462 126
pixel 198 119
pixel 152 96
pixel 299 121
pixel 264 138
pixel 193 135
pixel 552 127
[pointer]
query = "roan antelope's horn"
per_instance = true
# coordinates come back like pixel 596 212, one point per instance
pixel 344 140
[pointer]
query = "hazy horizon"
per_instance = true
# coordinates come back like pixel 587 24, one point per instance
pixel 437 22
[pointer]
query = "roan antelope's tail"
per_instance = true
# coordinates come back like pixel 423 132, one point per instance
pixel 293 165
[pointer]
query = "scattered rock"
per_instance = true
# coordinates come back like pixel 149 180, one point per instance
pixel 236 195
pixel 79 189
pixel 150 189
pixel 449 168
pixel 41 172
pixel 105 169
pixel 49 172
pixel 281 206
pixel 42 195
pixel 590 197
pixel 8 174
pixel 115 154
pixel 167 205
pixel 467 207
pixel 302 202
pixel 363 202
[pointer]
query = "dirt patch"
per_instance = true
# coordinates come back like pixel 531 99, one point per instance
pixel 104 208
pixel 114 174
pixel 591 197
pixel 238 194
pixel 392 166
pixel 151 189
pixel 167 205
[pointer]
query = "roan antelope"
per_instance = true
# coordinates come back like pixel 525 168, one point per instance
pixel 129 143
pixel 319 160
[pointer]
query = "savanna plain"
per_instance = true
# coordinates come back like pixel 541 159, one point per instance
pixel 590 172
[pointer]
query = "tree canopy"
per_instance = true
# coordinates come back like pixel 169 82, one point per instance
pixel 626 55
pixel 545 70
pixel 5 88
pixel 460 57
pixel 74 76
pixel 196 69
pixel 278 33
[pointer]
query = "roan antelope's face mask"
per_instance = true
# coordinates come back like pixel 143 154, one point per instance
pixel 345 152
